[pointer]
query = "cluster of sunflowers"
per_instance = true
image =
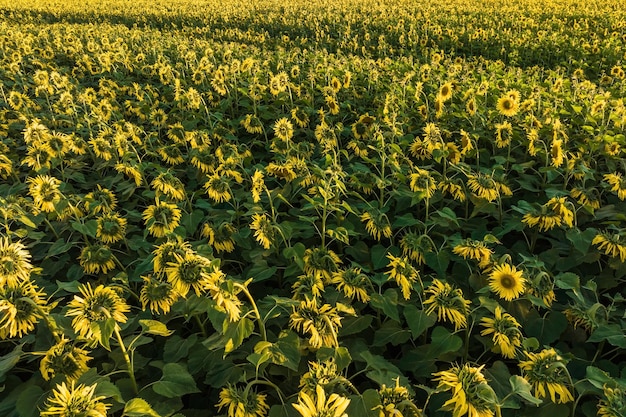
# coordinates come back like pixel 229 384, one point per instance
pixel 405 213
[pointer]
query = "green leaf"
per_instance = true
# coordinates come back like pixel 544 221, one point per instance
pixel 443 341
pixel 391 332
pixel 105 328
pixel 8 361
pixel 387 302
pixel 28 401
pixel 364 405
pixel 417 320
pixel 521 387
pixel 382 371
pixel 612 333
pixel 235 333
pixel 567 281
pixel 177 348
pixel 58 247
pixel 341 355
pixel 597 376
pixel 378 255
pixel 155 327
pixel 355 325
pixel 138 407
pixel 438 261
pixel 88 228
pixel 546 329
pixel 175 382
pixel 580 240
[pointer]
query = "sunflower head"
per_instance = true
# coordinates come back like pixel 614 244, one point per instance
pixel 243 402
pixel 75 401
pixel 157 294
pixel 15 263
pixel 547 373
pixel 507 282
pixel 66 359
pixel 448 302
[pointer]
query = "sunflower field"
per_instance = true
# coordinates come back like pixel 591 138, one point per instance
pixel 287 208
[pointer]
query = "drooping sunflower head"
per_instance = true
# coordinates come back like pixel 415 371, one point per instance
pixel 320 373
pixel 321 261
pixel 376 223
pixel 473 249
pixel 15 263
pixel 44 190
pixel 243 402
pixel 283 129
pixel 471 392
pixel 415 245
pixel 353 283
pixel 614 402
pixel 403 272
pixel 166 183
pixel 220 237
pixel 111 227
pixel 218 188
pixel 547 374
pixel 507 281
pixel 448 302
pixel 101 200
pixel 21 306
pixel 75 401
pixel 319 405
pixel 162 218
pixel 505 332
pixel 320 322
pixel 396 401
pixel 263 230
pixel 307 287
pixel 423 183
pixel 95 306
pixel 483 186
pixel 64 358
pixel 97 258
pixel 190 271
pixel 157 294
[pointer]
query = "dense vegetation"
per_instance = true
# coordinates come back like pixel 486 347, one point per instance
pixel 312 209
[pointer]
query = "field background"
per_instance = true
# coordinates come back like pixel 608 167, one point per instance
pixel 379 208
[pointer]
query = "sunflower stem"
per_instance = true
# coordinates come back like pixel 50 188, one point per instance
pixel 254 308
pixel 131 371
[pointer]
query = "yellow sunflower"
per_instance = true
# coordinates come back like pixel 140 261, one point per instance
pixel 471 394
pixel 96 258
pixel 190 271
pixel 162 218
pixel 376 223
pixel 64 358
pixel 243 402
pixel 75 400
pixel 319 405
pixel 44 190
pixel 448 302
pixel 218 188
pixel 168 184
pixel 353 283
pixel 263 230
pixel 21 307
pixel 507 282
pixel 157 294
pixel 403 273
pixel 505 332
pixel 95 306
pixel 546 371
pixel 111 227
pixel 321 323
pixel 15 266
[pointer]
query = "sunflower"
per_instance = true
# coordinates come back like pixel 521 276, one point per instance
pixel 319 405
pixel 96 258
pixel 507 106
pixel 102 147
pixel 102 200
pixel 423 183
pixel 320 373
pixel 505 330
pixel 353 283
pixel 361 127
pixel 473 249
pixel 263 230
pixel 258 186
pixel 64 358
pixel 157 294
pixel 580 316
pixel 190 271
pixel 21 307
pixel 396 401
pixel 414 246
pixel 15 266
pixel 483 186
pixel 171 154
pixel 403 272
pixel 546 370
pixel 376 223
pixel 422 149
pixel 332 104
pixel 470 106
pixel 507 282
pixel 242 402
pixel 448 302
pixel 614 402
pixel 166 252
pixel 320 322
pixel 300 117
pixel 283 129
pixel 471 394
pixel 111 227
pixel 613 244
pixel 75 401
pixel 307 287
pixel 44 190
pixel 218 188
pixel 221 238
pixel 504 132
pixel 252 124
pixel 542 286
pixel 6 166
pixel 617 183
pixel 94 307
pixel 556 153
pixel 553 214
pixel 321 261
pixel 445 91
pixel 279 83
pixel 586 197
pixel 168 184
pixel 37 157
pixel 131 171
pixel 162 218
